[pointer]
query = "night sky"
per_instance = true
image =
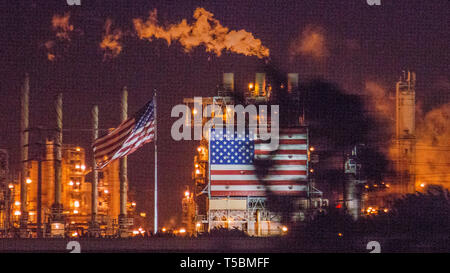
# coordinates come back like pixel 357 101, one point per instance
pixel 359 43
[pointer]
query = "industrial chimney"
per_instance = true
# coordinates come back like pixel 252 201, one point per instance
pixel 292 84
pixel 228 82
pixel 405 132
pixel 260 85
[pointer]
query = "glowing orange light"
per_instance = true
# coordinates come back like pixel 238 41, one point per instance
pixel 11 186
pixel 75 211
pixel 250 86
pixel 340 234
pixel 17 203
pixel 70 183
pixel 186 193
pixel 284 229
pixel 76 203
pixel 83 167
pixel 182 230
pixel 106 191
pixel 133 204
pixel 164 229
pixel 422 185
pixel 78 149
pixel 311 148
pixel 29 180
pixel 199 149
pixel 197 171
pixel 17 212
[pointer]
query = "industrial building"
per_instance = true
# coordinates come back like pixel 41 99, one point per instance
pixel 76 194
pixel 400 179
pixel 218 202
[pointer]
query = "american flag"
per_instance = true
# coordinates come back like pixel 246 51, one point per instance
pixel 128 137
pixel 232 172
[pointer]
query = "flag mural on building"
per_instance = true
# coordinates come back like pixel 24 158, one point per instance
pixel 232 170
pixel 129 136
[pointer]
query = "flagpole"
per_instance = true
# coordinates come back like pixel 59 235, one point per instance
pixel 155 227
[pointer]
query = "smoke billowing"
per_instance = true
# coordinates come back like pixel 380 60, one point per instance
pixel 204 31
pixel 433 147
pixel 311 43
pixel 432 134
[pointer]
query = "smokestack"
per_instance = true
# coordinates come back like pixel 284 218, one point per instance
pixel 24 141
pixel 405 132
pixel 228 82
pixel 94 186
pixel 123 232
pixel 405 106
pixel 260 84
pixel 292 82
pixel 57 206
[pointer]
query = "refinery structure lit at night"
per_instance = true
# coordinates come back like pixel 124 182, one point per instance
pixel 258 126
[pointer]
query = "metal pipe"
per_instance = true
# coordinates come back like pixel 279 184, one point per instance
pixel 24 142
pixel 58 157
pixel 155 222
pixel 39 196
pixel 123 169
pixel 94 193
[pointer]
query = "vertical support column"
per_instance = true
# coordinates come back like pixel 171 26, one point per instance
pixel 94 228
pixel 57 206
pixel 123 229
pixel 39 192
pixel 24 142
pixel 258 222
pixel 155 220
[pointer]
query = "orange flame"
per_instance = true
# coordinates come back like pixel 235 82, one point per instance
pixel 206 31
pixel 110 43
pixel 62 27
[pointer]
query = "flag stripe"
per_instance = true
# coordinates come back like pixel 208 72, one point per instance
pixel 281 152
pixel 218 193
pixel 283 166
pixel 256 182
pixel 250 172
pixel 268 147
pixel 283 141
